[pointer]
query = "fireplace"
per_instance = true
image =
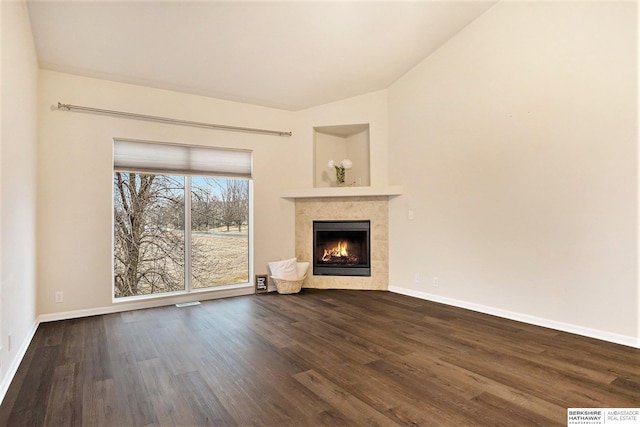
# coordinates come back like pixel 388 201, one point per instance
pixel 341 248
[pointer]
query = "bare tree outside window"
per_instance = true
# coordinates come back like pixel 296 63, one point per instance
pixel 234 206
pixel 219 203
pixel 149 233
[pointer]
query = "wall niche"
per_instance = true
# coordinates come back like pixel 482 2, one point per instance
pixel 337 143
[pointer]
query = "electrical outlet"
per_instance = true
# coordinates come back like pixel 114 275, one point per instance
pixel 417 278
pixel 59 296
pixel 435 282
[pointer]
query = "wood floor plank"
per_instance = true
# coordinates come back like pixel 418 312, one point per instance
pixel 133 402
pixel 357 349
pixel 205 405
pixel 55 333
pixel 30 406
pixel 65 397
pixel 358 412
pixel 539 381
pixel 460 410
pixel 24 371
pixel 99 404
pixel 386 338
pixel 395 403
pixel 244 411
pixel 317 358
pixel 170 404
pixel 516 414
pixel 471 384
pixel 174 342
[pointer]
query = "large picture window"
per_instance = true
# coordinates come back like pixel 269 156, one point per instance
pixel 178 232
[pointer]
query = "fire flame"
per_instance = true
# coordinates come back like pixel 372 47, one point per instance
pixel 340 250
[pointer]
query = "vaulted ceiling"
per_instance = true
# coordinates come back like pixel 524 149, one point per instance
pixel 281 54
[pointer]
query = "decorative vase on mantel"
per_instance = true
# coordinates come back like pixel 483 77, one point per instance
pixel 340 170
pixel 340 175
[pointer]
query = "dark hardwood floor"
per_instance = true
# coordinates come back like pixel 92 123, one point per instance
pixel 316 358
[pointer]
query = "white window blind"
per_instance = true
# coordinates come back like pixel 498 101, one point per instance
pixel 153 157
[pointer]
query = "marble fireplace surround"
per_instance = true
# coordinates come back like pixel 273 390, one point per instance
pixel 373 208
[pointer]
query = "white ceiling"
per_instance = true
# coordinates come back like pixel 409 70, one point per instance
pixel 288 55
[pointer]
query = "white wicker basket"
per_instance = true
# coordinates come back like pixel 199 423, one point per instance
pixel 285 286
pixel 289 285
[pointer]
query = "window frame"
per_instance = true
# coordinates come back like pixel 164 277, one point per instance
pixel 188 288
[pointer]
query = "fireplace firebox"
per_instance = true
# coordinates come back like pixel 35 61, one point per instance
pixel 342 248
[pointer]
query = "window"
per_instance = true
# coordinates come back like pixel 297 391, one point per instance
pixel 219 231
pixel 177 232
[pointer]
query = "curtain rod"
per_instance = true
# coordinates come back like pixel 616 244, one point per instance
pixel 69 107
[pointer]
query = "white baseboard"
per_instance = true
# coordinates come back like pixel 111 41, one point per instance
pixel 13 368
pixel 533 320
pixel 147 303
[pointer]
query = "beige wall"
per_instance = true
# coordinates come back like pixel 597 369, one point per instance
pixel 516 143
pixel 18 186
pixel 358 153
pixel 75 179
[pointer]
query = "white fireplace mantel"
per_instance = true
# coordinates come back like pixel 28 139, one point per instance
pixel 305 193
